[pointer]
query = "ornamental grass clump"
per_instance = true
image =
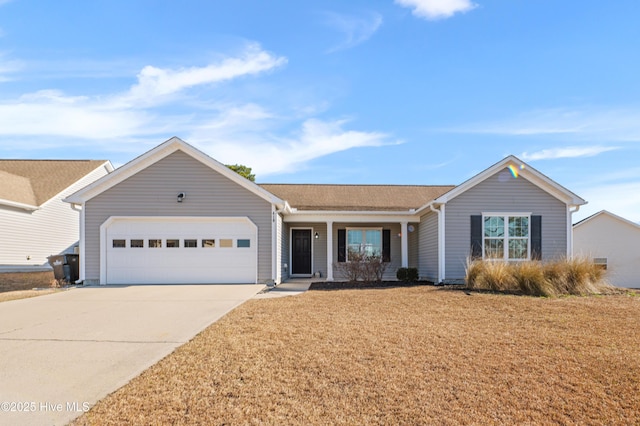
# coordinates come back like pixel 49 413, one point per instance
pixel 578 276
pixel 530 279
pixel 494 276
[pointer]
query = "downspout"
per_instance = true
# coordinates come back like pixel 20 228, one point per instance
pixel 570 229
pixel 441 242
pixel 80 208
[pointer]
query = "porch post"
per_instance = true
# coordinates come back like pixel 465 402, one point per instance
pixel 329 250
pixel 404 244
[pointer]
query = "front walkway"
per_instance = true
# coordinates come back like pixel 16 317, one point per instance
pixel 291 287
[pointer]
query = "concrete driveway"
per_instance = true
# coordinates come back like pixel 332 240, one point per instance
pixel 61 353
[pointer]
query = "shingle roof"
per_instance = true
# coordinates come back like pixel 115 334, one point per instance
pixel 34 182
pixel 357 197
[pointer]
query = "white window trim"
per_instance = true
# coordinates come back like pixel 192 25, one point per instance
pixel 506 216
pixel 363 229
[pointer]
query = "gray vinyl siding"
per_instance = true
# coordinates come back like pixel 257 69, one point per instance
pixel 319 248
pixel 396 249
pixel 504 194
pixel 28 238
pixel 153 192
pixel 285 266
pixel 428 247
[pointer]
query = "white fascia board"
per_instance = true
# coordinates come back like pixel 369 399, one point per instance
pixel 20 206
pixel 107 165
pixel 427 207
pixel 156 154
pixel 346 216
pixel 532 175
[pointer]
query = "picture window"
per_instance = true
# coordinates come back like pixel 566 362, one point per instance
pixel 506 237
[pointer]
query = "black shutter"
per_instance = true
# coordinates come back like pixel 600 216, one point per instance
pixel 536 237
pixel 342 245
pixel 386 245
pixel 476 237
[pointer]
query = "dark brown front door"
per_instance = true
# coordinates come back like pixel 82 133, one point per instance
pixel 301 252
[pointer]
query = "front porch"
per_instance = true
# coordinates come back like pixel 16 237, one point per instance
pixel 313 250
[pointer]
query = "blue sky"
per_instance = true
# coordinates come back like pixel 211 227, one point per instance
pixel 388 91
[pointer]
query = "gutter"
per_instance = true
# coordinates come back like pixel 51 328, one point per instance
pixel 21 206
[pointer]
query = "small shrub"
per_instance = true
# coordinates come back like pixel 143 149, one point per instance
pixel 362 267
pixel 407 275
pixel 402 273
pixel 374 268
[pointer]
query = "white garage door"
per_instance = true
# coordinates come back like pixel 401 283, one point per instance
pixel 180 251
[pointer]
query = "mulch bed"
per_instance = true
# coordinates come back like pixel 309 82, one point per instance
pixel 350 285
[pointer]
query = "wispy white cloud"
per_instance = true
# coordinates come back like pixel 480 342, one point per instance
pixel 355 29
pixel 235 130
pixel 589 123
pixel 8 67
pixel 566 152
pixel 437 9
pixel 51 113
pixel 269 154
pixel 54 113
pixel 156 83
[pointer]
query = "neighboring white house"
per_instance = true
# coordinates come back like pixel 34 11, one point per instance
pixel 34 221
pixel 613 242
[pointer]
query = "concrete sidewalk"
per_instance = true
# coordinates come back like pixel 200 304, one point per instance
pixel 289 288
pixel 61 353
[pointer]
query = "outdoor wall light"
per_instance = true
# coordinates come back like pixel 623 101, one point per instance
pixel 317 235
pixel 182 196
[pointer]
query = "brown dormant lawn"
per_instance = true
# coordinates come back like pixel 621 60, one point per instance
pixel 20 285
pixel 417 355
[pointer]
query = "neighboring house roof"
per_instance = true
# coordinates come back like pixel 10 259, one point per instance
pixel 517 168
pixel 31 183
pixel 156 154
pixel 356 197
pixel 606 213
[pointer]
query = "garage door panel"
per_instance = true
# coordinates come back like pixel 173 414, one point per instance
pixel 175 265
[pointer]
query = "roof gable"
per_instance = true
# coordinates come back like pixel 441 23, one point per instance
pixel 602 214
pixel 153 156
pixel 518 168
pixel 29 184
